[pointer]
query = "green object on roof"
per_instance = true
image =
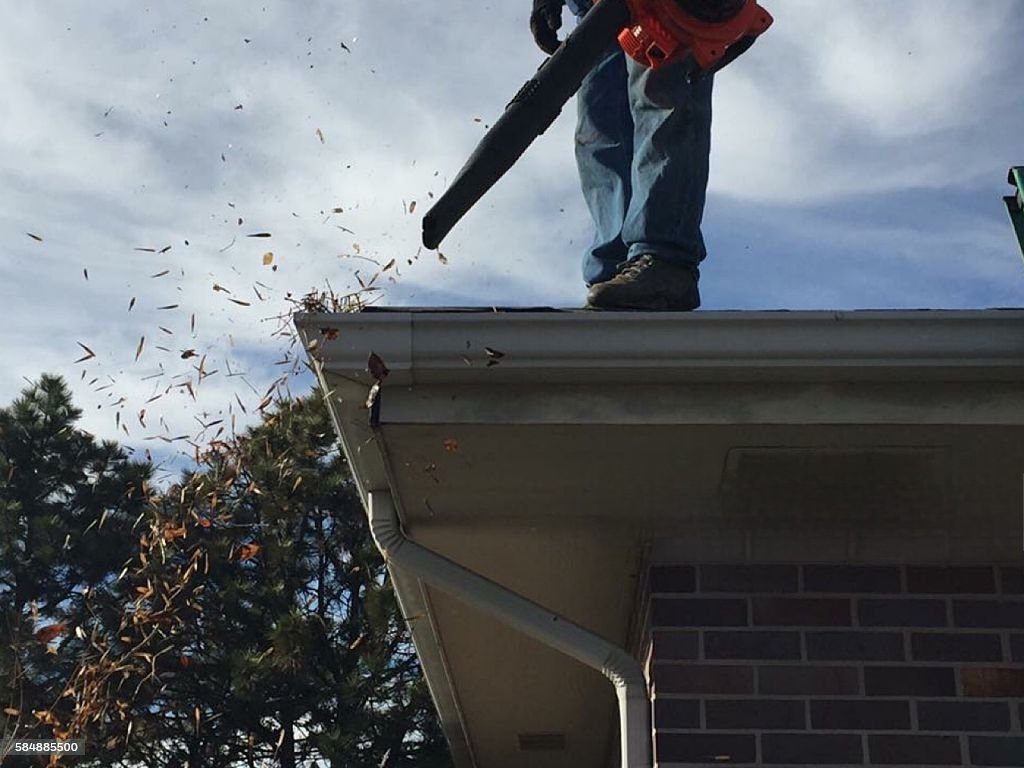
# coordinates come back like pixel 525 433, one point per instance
pixel 1015 203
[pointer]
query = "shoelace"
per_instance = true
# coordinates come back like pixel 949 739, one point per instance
pixel 635 267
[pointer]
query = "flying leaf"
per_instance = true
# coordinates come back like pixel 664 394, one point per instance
pixel 240 302
pixel 451 445
pixel 165 249
pixel 320 135
pixel 37 238
pixel 260 234
pixel 220 288
pixel 131 304
pixel 442 258
pixel 89 354
pixel 161 274
pixel 48 633
pixel 375 365
pixel 187 353
pixel 412 207
pixel 248 551
pixel 494 356
pixel 146 250
pixel 388 266
pixel 86 273
pixel 268 258
pixel 11 711
pixel 170 533
pixel 138 349
pixel 169 306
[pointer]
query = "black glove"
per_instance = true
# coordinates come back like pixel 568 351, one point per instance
pixel 545 21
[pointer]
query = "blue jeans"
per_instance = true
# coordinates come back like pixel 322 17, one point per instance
pixel 643 140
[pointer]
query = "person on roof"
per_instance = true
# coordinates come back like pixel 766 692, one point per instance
pixel 643 140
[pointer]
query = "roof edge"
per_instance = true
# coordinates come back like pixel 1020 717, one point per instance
pixel 467 347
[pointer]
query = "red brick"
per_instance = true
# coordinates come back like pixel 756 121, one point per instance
pixel 896 612
pixel 860 715
pixel 914 750
pixel 676 713
pixel 801 612
pixel 752 645
pixel 992 682
pixel 997 750
pixel 672 645
pixel 852 578
pixel 755 714
pixel 1017 647
pixel 960 580
pixel 855 646
pixel 672 578
pixel 748 578
pixel 1012 580
pixel 808 680
pixel 909 681
pixel 809 749
pixel 710 748
pixel 963 716
pixel 950 646
pixel 702 678
pixel 686 612
pixel 997 614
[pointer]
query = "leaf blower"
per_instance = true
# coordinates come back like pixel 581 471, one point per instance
pixel 706 34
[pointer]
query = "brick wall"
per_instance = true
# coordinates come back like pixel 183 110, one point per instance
pixel 824 665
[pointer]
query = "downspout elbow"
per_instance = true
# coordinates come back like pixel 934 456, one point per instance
pixel 386 530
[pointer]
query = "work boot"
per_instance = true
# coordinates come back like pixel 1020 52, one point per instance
pixel 648 283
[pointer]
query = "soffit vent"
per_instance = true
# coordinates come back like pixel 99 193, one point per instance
pixel 542 742
pixel 851 484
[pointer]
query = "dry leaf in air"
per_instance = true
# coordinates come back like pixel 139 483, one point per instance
pixel 46 634
pixel 89 354
pixel 376 367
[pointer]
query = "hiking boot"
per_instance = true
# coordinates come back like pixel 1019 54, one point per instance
pixel 648 283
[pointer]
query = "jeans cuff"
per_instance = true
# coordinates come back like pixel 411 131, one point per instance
pixel 671 254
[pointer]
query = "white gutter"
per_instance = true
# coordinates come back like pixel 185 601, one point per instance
pixel 597 348
pixel 528 617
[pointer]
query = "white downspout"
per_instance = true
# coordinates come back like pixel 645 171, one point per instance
pixel 534 620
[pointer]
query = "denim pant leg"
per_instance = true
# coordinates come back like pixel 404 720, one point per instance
pixel 604 157
pixel 670 164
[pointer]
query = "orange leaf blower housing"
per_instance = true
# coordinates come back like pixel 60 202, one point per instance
pixel 661 32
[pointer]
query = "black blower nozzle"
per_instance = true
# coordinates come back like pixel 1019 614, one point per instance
pixel 527 116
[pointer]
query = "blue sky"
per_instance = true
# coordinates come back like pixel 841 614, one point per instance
pixel 860 154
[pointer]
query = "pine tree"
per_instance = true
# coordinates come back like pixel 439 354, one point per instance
pixel 258 621
pixel 67 505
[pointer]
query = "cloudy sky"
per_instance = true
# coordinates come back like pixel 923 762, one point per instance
pixel 860 155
